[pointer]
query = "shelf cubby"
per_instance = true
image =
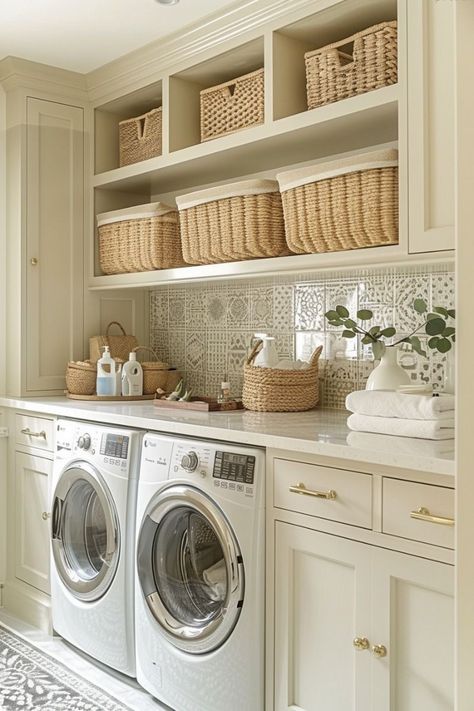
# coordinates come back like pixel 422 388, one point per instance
pixel 108 117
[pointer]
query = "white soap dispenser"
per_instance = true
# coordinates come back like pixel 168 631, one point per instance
pixel 132 376
pixel 107 368
pixel 267 357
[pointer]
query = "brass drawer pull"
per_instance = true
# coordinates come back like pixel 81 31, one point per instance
pixel 423 514
pixel 301 489
pixel 27 431
pixel 361 643
pixel 379 650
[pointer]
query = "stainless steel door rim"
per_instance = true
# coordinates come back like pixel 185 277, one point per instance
pixel 85 532
pixel 172 607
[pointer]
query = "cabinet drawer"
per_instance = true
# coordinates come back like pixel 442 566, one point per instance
pixel 35 432
pixel 405 501
pixel 335 494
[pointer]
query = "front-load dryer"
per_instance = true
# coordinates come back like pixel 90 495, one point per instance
pixel 199 596
pixel 93 511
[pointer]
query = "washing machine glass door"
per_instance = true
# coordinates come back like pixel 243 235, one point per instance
pixel 85 532
pixel 190 569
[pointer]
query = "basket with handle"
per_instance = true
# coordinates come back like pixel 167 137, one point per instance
pixel 140 137
pixel 155 372
pixel 120 345
pixel 276 390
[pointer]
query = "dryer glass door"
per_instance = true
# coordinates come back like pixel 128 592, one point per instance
pixel 190 569
pixel 85 532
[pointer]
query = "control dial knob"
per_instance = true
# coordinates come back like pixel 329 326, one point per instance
pixel 190 461
pixel 84 441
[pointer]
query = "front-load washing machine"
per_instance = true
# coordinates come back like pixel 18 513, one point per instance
pixel 93 511
pixel 199 596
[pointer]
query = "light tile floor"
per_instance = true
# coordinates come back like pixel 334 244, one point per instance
pixel 126 690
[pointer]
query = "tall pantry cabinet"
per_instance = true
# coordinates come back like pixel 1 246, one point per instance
pixel 44 169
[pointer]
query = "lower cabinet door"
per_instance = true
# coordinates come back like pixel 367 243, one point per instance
pixel 322 604
pixel 414 621
pixel 32 476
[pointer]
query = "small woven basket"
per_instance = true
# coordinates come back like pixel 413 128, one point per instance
pixel 81 377
pixel 155 372
pixel 232 106
pixel 120 346
pixel 140 137
pixel 346 204
pixel 274 390
pixel 139 239
pixel 365 61
pixel 233 222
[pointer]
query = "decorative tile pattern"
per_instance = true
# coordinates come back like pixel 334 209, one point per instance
pixel 206 330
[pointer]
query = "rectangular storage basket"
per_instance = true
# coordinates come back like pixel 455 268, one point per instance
pixel 365 61
pixel 139 239
pixel 140 137
pixel 275 390
pixel 345 204
pixel 232 106
pixel 243 220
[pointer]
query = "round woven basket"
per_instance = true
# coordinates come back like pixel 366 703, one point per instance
pixel 81 377
pixel 274 390
pixel 155 373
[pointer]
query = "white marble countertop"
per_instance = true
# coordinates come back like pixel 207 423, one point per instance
pixel 319 432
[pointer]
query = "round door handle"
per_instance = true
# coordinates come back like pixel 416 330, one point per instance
pixel 45 515
pixel 34 261
pixel 361 643
pixel 379 650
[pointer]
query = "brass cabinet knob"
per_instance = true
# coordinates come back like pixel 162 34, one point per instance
pixel 45 515
pixel 34 261
pixel 379 650
pixel 361 643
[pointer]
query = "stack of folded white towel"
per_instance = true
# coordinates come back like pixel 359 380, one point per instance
pixel 403 414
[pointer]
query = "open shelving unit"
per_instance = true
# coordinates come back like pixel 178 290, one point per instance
pixel 290 135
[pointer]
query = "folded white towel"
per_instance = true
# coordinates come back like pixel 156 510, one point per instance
pixel 388 403
pixel 403 445
pixel 425 429
pixel 216 578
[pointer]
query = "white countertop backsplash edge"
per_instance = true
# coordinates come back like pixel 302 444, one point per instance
pixel 317 432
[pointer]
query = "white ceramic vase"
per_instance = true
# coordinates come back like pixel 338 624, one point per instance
pixel 449 372
pixel 388 375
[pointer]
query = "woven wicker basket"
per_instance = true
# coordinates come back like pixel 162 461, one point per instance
pixel 139 239
pixel 243 220
pixel 140 137
pixel 155 373
pixel 345 204
pixel 274 390
pixel 81 377
pixel 120 345
pixel 360 63
pixel 232 106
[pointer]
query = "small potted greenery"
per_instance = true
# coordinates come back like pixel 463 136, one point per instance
pixel 437 325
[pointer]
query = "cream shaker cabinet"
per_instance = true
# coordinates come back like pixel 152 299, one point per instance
pixel 360 589
pixel 431 124
pixel 45 225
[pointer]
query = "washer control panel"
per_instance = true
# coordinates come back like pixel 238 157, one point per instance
pixel 102 446
pixel 234 467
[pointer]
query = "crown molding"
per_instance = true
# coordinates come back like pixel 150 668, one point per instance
pixel 16 73
pixel 243 21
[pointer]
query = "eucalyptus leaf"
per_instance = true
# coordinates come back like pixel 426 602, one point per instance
pixel 420 306
pixel 374 330
pixel 388 332
pixel 435 327
pixel 443 345
pixel 367 340
pixel 416 345
pixel 454 338
pixel 331 315
pixel 432 316
pixel 348 334
pixel 441 310
pixel 448 331
pixel 350 323
pixel 433 342
pixel 378 349
pixel 342 311
pixel 452 313
pixel 365 314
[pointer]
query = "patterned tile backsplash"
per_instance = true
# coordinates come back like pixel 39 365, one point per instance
pixel 205 330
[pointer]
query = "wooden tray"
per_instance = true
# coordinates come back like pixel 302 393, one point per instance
pixel 110 398
pixel 201 404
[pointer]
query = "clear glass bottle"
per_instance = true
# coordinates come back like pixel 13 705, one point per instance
pixel 224 394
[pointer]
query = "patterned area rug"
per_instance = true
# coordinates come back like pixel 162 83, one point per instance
pixel 31 680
